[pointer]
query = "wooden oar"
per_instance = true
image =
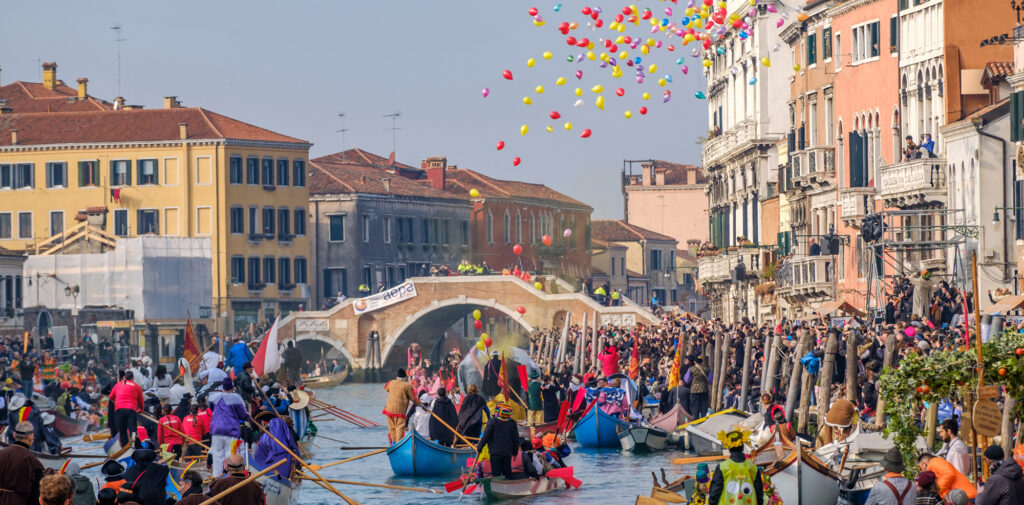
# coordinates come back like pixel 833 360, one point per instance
pixel 353 458
pixel 95 437
pixel 699 459
pixel 244 481
pixel 151 418
pixel 356 416
pixel 385 486
pixel 457 434
pixel 103 456
pixel 278 414
pixel 340 415
pixel 345 448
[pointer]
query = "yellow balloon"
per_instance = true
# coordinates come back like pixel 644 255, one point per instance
pixel 475 193
pixel 476 313
pixel 578 91
pixel 560 81
pixel 616 72
pixel 662 82
pixel 620 39
pixel 653 68
pixel 538 285
pixel 689 38
pixel 698 23
pixel 549 128
pixel 480 345
pixel 690 11
pixel 604 56
pixel 538 23
pixel 547 55
pixel 650 42
pixel 621 28
pixel 527 100
pixel 531 62
pixel 645 49
pixel 623 55
pixel 597 88
pixel 539 89
pixel 483 336
pixel 766 61
pixel 796 67
pixel 614 25
pixel 591 55
pixel 646 96
pixel 567 126
pixel 628 114
pixel 523 130
pixel 706 63
pixel 600 102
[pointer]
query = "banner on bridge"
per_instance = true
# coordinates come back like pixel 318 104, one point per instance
pixel 399 293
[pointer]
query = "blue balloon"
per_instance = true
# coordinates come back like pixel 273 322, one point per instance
pixel 637 60
pixel 664 22
pixel 721 50
pixel 753 81
pixel 743 35
pixel 668 78
pixel 685 21
pixel 700 95
pixel 679 61
pixel 558 7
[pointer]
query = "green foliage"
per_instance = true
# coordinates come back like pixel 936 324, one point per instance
pixel 944 374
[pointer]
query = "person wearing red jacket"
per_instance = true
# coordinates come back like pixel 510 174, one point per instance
pixel 126 396
pixel 167 431
pixel 196 429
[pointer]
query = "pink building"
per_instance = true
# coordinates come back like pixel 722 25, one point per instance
pixel 668 198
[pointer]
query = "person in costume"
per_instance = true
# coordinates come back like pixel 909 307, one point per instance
pixel 700 491
pixel 736 481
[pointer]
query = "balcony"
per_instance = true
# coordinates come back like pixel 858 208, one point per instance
pixel 914 183
pixel 815 166
pixel 805 277
pixel 720 267
pixel 716 149
pixel 255 237
pixel 856 203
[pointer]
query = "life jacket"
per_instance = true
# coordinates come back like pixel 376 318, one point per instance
pixel 738 480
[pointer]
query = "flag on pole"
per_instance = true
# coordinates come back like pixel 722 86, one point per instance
pixel 268 357
pixel 503 378
pixel 677 363
pixel 634 362
pixel 192 353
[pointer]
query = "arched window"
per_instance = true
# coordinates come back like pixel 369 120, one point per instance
pixel 508 228
pixel 533 228
pixel 519 228
pixel 490 227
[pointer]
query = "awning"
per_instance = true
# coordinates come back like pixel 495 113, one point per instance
pixel 1007 304
pixel 840 305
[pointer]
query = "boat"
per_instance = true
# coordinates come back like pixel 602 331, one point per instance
pixel 703 432
pixel 799 476
pixel 502 489
pixel 49 461
pixel 277 489
pixel 641 439
pixel 666 496
pixel 669 421
pixel 856 459
pixel 598 429
pixel 416 456
pixel 326 381
pixel 524 429
pixel 69 426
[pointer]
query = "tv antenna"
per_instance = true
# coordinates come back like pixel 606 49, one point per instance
pixel 341 115
pixel 119 40
pixel 394 130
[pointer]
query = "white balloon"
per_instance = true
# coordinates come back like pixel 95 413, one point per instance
pixel 578 103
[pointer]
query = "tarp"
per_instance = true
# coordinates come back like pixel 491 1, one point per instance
pixel 840 305
pixel 1012 302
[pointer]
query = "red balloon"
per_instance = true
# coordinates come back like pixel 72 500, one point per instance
pixel 671 48
pixel 586 11
pixel 478 324
pixel 488 342
pixel 564 28
pixel 517 249
pixel 598 22
pixel 643 110
pixel 620 91
pixel 501 144
pixel 570 40
pixel 647 15
pixel 619 18
pixel 533 11
pixel 507 74
pixel 593 15
pixel 628 39
pixel 584 42
pixel 586 133
pixel 546 239
pixel 516 161
pixel 627 11
pixel 614 48
pixel 520 309
pixel 607 42
pixel 554 114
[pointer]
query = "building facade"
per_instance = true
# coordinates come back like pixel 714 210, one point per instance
pixel 662 190
pixel 51 95
pixel 649 255
pixel 11 292
pixel 608 266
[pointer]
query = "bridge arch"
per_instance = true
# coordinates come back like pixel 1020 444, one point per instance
pixel 336 344
pixel 450 310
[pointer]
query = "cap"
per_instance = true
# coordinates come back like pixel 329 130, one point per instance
pixel 995 453
pixel 227 384
pixel 926 478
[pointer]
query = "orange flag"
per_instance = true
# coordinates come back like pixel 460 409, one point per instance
pixel 634 362
pixel 503 378
pixel 192 353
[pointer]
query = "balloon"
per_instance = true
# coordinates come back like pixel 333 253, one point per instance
pixel 646 96
pixel 501 144
pixel 517 249
pixel 533 11
pixel 516 161
pixel 600 102
pixel 560 81
pixel 653 68
pixel 643 110
pixel 477 314
pixel 546 239
pixel 527 100
pixel 475 193
pixel 486 92
pixel 780 22
pixel 586 133
pixel 666 97
pixel 700 95
pixel 707 63
pixel 628 114
pixel 578 103
pixel 478 324
pixel 685 69
pixel 484 337
pixel 578 91
pixel 530 63
pixel 568 125
pixel 620 91
pixel 538 285
pixel 549 128
pixel 481 346
pixel 567 233
pixel 570 40
pixel 558 7
pixel 797 67
pixel 579 74
pixel 753 81
pixel 547 55
pixel 597 88
pixel 507 74
pixel 488 342
pixel 523 130
pixel 570 59
pixel 520 309
pixel 771 8
pixel 554 114
pixel 539 89
pixel 662 82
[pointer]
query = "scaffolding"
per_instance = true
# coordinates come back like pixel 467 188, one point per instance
pixel 915 240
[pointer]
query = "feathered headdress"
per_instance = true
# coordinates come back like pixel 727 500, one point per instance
pixel 734 438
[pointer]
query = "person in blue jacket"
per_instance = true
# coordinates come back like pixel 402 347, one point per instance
pixel 238 356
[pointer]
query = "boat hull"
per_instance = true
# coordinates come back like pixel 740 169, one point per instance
pixel 69 427
pixel 327 381
pixel 524 429
pixel 703 432
pixel 416 456
pixel 801 479
pixel 598 429
pixel 672 419
pixel 500 489
pixel 278 490
pixel 642 439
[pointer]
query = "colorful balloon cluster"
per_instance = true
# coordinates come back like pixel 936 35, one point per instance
pixel 485 341
pixel 638 40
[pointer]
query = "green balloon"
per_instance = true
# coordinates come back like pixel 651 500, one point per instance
pixel 700 95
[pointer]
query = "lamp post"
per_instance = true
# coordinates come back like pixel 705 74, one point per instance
pixel 73 291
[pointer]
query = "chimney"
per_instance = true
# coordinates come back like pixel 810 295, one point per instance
pixel 14 137
pixel 171 102
pixel 659 177
pixel 435 167
pixel 387 184
pixel 119 103
pixel 645 174
pixel 49 75
pixel 183 131
pixel 83 88
pixel 692 245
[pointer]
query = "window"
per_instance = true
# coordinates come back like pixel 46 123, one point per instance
pixel 57 174
pixel 121 222
pixel 300 270
pixel 386 226
pixel 365 220
pixel 148 172
pixel 21 175
pixel 268 222
pixel 268 172
pixel 24 225
pixel 401 231
pixel 237 220
pixel 426 231
pixel 269 270
pixel 148 221
pixel 6 176
pixel 533 229
pixel 235 170
pixel 121 173
pixel 507 228
pixel 6 226
pixel 237 269
pixel 368 277
pixel 519 228
pixel 282 172
pixel 865 41
pixel 299 173
pixel 813 120
pixel 252 171
pixel 300 222
pixel 254 228
pixel 490 228
pixel 284 273
pixel 283 224
pixel 829 126
pixel 254 271
pixel 56 222
pixel 812 49
pixel 655 259
pixel 622 266
pixel 826 43
pixel 335 280
pixel 336 225
pixel 434 232
pixel 464 231
pixel 445 236
pixel 613 267
pixel 839 52
pixel 894 37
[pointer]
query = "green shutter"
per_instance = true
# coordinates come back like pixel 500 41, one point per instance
pixel 1016 115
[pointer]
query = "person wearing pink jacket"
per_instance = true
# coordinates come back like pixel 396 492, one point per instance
pixel 127 398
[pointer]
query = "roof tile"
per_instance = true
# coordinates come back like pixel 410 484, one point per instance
pixel 461 181
pixel 26 97
pixel 620 231
pixel 359 172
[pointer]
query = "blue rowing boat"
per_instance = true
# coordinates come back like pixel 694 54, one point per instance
pixel 598 429
pixel 416 456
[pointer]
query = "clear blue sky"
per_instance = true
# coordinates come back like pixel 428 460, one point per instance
pixel 293 66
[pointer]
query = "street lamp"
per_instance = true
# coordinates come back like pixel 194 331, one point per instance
pixel 72 291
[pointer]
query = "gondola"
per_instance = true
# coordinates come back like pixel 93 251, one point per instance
pixel 669 421
pixel 326 381
pixel 496 489
pixel 69 426
pixel 799 476
pixel 416 456
pixel 642 439
pixel 703 432
pixel 598 429
pixel 277 489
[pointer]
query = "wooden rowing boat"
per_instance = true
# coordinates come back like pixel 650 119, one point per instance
pixel 326 381
pixel 524 428
pixel 277 489
pixel 799 476
pixel 642 439
pixel 503 489
pixel 414 455
pixel 69 426
pixel 703 432
pixel 598 429
pixel 49 461
pixel 672 419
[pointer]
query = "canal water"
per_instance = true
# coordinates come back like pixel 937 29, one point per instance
pixel 609 476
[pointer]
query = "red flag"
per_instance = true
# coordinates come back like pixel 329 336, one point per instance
pixel 522 377
pixel 268 358
pixel 503 378
pixel 192 353
pixel 563 413
pixel 634 362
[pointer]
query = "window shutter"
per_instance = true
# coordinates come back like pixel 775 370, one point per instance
pixel 49 174
pixel 873 28
pixel 128 174
pixel 81 173
pixel 800 138
pixel 856 161
pixel 138 222
pixel 1016 106
pixel 893 32
pixel 138 168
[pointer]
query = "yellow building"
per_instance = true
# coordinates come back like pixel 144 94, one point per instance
pixel 174 171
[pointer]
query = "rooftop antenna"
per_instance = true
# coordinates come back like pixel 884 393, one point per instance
pixel 119 40
pixel 394 129
pixel 341 115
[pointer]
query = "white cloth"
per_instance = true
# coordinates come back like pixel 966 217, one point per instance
pixel 220 449
pixel 420 421
pixel 176 392
pixel 210 360
pixel 163 387
pixel 213 376
pixel 958 455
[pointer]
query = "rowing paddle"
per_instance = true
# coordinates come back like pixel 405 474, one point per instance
pixel 699 459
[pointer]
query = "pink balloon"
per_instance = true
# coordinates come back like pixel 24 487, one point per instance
pixel 567 233
pixel 486 92
pixel 579 74
pixel 685 69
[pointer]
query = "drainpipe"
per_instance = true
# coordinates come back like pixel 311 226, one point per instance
pixel 1006 183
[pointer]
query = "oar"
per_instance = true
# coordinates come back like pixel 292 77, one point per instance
pixel 151 418
pixel 103 456
pixel 95 437
pixel 353 458
pixel 385 486
pixel 245 481
pixel 344 448
pixel 361 418
pixel 276 413
pixel 311 468
pixel 565 474
pixel 699 459
pixel 330 409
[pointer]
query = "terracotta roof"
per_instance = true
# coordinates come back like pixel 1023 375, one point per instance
pixel 1001 69
pixel 140 125
pixel 25 97
pixel 359 157
pixel 675 173
pixel 460 181
pixel 331 176
pixel 685 254
pixel 620 231
pixel 631 273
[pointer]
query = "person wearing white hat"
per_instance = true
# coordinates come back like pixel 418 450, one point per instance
pixel 48 434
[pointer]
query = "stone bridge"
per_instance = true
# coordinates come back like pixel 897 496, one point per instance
pixel 441 302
